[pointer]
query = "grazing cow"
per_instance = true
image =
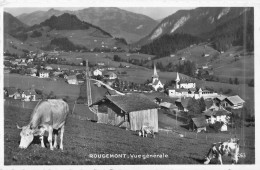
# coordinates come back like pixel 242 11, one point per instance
pixel 48 115
pixel 145 130
pixel 229 148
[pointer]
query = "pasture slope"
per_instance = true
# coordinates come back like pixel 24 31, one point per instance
pixel 83 138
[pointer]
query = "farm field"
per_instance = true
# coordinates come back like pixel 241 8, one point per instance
pixel 83 138
pixel 59 87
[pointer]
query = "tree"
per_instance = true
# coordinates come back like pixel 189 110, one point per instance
pixel 116 58
pixel 202 104
pixel 84 62
pixel 193 107
pixel 236 81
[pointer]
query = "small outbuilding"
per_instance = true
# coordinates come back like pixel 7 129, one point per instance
pixel 130 111
pixel 198 123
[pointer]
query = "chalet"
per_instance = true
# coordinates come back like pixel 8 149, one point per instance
pixel 130 111
pixel 29 95
pixel 182 103
pixel 234 102
pixel 221 116
pixel 44 74
pixel 199 124
pixel 72 79
pixel 110 75
pixel 97 72
pixel 220 100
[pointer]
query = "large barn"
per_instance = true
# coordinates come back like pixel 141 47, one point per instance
pixel 131 111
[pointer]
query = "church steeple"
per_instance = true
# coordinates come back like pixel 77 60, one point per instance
pixel 155 75
pixel 177 77
pixel 177 80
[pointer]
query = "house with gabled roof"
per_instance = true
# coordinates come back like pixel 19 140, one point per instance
pixel 198 123
pixel 234 102
pixel 72 79
pixel 29 95
pixel 130 111
pixel 44 74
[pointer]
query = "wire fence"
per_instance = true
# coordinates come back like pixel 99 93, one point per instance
pixel 211 138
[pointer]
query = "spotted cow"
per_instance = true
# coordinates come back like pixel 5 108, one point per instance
pixel 229 148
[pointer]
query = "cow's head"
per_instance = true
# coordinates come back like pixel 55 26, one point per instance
pixel 27 135
pixel 211 154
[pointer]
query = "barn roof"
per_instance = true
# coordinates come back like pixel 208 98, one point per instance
pixel 167 99
pixel 132 102
pixel 221 112
pixel 235 99
pixel 168 105
pixel 199 122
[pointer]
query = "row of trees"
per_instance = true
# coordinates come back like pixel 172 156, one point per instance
pixel 186 67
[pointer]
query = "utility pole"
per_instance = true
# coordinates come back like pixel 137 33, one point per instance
pixel 88 87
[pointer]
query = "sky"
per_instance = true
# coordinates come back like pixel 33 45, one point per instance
pixel 153 12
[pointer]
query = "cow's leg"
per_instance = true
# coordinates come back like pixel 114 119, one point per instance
pixel 50 129
pixel 220 159
pixel 42 141
pixel 55 138
pixel 61 137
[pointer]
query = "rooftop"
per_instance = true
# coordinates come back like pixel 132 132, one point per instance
pixel 235 99
pixel 199 122
pixel 132 102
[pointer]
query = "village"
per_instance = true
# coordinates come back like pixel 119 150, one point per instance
pixel 206 107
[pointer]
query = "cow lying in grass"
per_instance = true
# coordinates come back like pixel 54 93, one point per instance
pixel 48 115
pixel 145 130
pixel 229 148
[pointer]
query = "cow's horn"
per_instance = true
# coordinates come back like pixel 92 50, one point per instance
pixel 18 127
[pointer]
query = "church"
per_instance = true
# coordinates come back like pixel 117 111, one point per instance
pixel 156 83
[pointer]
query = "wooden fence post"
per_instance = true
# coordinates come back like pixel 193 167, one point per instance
pixel 206 138
pixel 73 107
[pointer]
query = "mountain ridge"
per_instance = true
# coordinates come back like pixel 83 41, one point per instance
pixel 116 21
